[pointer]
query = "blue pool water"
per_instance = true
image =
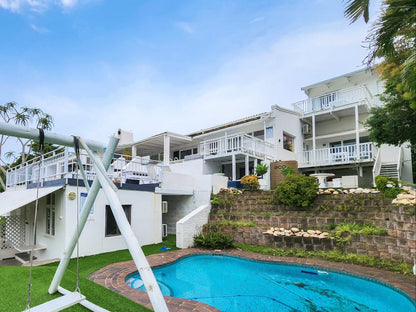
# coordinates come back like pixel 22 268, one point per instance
pixel 236 284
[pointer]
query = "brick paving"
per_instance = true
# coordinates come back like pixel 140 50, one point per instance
pixel 113 276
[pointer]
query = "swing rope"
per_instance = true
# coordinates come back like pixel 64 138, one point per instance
pixel 41 147
pixel 76 145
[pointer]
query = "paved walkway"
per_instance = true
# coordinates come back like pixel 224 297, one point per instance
pixel 113 276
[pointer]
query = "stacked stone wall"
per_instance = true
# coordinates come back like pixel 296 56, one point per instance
pixel 260 209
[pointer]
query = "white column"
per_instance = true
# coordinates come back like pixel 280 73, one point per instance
pixel 313 140
pixel 234 176
pixel 166 149
pixel 357 133
pixel 133 151
pixel 247 165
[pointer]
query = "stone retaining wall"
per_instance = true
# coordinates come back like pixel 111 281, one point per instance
pixel 398 245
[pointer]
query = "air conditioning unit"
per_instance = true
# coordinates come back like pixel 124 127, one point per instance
pixel 306 128
pixel 164 230
pixel 164 207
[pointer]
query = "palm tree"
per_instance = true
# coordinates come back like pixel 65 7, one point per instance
pixel 11 112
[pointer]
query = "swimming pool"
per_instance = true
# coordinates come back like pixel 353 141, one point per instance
pixel 236 284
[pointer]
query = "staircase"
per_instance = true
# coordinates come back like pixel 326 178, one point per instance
pixel 389 170
pixel 388 161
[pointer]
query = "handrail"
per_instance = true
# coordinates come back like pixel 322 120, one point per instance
pixel 240 142
pixel 334 99
pixel 65 165
pixel 337 155
pixel 377 165
pixel 399 163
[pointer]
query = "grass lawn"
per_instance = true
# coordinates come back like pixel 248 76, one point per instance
pixel 14 282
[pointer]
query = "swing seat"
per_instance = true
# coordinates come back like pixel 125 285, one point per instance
pixel 59 303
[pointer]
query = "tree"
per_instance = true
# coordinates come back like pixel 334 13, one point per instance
pixel 393 39
pixel 12 112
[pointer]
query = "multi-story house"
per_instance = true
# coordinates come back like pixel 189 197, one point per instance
pixel 165 181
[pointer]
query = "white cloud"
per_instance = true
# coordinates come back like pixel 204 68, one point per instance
pixel 257 19
pixel 186 27
pixel 18 6
pixel 41 30
pixel 268 71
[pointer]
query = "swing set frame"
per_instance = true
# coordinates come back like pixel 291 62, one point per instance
pixel 101 181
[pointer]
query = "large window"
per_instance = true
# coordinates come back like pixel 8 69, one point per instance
pixel 50 214
pixel 111 228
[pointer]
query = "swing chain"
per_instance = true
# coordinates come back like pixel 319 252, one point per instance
pixel 41 148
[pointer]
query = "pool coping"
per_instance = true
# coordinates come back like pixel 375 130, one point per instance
pixel 113 276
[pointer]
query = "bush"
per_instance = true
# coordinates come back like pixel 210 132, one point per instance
pixel 213 238
pixel 250 182
pixel 389 187
pixel 287 170
pixel 261 169
pixel 297 190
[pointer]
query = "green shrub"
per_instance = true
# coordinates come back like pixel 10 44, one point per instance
pixel 250 182
pixel 261 169
pixel 212 237
pixel 288 170
pixel 215 200
pixel 297 190
pixel 389 187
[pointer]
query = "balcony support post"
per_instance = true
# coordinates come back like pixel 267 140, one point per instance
pixel 313 140
pixel 234 169
pixel 357 134
pixel 247 165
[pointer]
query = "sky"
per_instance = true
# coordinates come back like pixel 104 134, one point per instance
pixel 162 65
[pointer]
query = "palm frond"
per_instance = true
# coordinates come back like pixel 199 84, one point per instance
pixel 355 9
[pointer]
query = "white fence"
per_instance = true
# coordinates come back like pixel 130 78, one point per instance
pixel 12 233
pixel 338 155
pixel 334 99
pixel 241 142
pixel 54 166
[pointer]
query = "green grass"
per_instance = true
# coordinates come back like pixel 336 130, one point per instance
pixel 334 256
pixel 14 282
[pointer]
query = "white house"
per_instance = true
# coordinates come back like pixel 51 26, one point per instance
pixel 165 181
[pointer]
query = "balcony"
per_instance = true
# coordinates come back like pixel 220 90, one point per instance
pixel 235 144
pixel 60 165
pixel 338 155
pixel 332 100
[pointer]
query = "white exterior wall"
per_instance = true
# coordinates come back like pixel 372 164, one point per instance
pixel 55 243
pixel 289 123
pixel 190 225
pixel 146 222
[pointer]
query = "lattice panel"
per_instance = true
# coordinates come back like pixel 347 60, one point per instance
pixel 12 231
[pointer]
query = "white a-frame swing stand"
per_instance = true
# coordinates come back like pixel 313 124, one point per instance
pixel 109 189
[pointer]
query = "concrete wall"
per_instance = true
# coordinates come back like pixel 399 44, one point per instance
pixel 190 225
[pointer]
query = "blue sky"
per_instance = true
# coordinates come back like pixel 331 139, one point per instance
pixel 180 66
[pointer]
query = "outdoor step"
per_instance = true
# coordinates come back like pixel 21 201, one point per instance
pixel 24 257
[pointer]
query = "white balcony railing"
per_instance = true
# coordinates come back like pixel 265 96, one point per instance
pixel 338 155
pixel 61 165
pixel 334 99
pixel 238 143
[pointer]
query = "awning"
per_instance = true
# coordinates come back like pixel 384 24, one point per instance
pixel 14 199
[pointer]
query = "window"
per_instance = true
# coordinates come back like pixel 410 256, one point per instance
pixel 50 214
pixel 288 141
pixel 111 228
pixel 182 153
pixel 269 132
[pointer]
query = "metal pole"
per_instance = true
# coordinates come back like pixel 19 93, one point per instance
pixel 92 194
pixel 50 137
pixel 149 280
